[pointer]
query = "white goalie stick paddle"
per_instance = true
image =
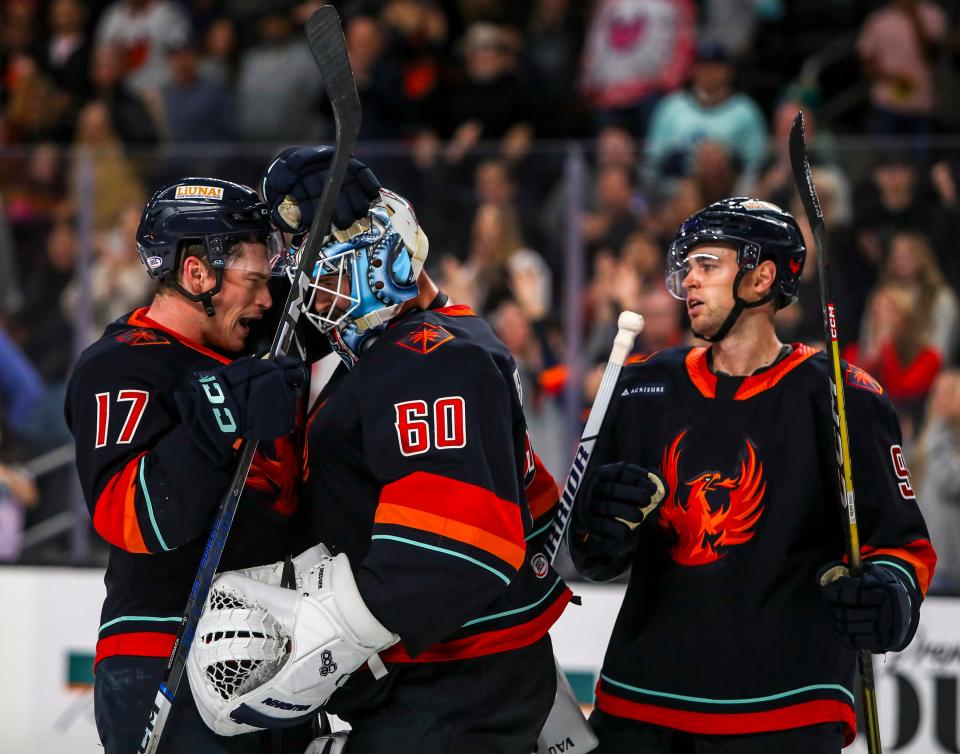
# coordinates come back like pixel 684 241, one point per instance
pixel 325 37
pixel 629 325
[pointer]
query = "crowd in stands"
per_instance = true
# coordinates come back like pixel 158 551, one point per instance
pixel 511 126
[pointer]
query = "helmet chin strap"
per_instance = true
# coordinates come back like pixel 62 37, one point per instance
pixel 205 298
pixel 738 306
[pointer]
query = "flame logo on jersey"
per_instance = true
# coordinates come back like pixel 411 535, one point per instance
pixel 707 522
pixel 276 473
pixel 856 377
pixel 425 339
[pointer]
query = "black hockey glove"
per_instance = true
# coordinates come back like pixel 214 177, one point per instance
pixel 874 611
pixel 620 498
pixel 301 172
pixel 250 398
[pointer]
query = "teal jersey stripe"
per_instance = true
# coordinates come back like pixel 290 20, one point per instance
pixel 753 700
pixel 541 530
pixel 149 618
pixel 899 567
pixel 514 611
pixel 146 496
pixel 453 553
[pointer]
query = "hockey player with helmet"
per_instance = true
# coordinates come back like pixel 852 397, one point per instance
pixel 737 632
pixel 157 406
pixel 422 482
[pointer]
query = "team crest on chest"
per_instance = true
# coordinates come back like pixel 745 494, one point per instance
pixel 712 511
pixel 425 339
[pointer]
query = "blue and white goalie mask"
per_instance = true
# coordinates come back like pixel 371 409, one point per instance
pixel 365 274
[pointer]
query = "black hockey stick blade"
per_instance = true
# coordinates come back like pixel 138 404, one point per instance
pixel 802 176
pixel 327 43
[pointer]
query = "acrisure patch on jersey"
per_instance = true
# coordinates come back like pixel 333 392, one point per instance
pixel 425 338
pixel 199 192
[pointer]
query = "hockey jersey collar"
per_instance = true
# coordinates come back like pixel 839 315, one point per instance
pixel 139 318
pixel 706 381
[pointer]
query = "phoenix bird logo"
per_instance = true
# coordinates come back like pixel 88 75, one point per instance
pixel 425 339
pixel 707 523
pixel 143 338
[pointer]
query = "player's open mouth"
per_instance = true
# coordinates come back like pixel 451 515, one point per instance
pixel 693 304
pixel 247 322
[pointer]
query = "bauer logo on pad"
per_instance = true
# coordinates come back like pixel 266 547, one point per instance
pixel 199 192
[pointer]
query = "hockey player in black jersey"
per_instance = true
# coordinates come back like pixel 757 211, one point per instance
pixel 422 482
pixel 731 637
pixel 157 406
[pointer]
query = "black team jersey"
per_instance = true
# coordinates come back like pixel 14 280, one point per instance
pixel 721 630
pixel 152 494
pixel 421 472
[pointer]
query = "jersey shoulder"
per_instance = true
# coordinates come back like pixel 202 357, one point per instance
pixel 861 390
pixel 660 362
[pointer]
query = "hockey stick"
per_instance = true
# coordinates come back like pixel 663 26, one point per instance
pixel 811 205
pixel 629 325
pixel 325 37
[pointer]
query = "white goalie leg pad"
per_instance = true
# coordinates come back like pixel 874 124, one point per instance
pixel 327 633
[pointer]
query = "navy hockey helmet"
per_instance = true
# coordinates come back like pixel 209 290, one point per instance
pixel 759 231
pixel 207 211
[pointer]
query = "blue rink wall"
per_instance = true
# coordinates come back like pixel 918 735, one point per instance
pixel 48 632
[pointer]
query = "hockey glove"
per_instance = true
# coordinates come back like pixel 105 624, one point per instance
pixel 299 174
pixel 873 611
pixel 620 498
pixel 250 398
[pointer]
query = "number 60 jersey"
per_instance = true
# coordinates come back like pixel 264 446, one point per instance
pixel 152 493
pixel 421 472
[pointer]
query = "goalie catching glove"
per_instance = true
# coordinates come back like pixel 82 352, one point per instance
pixel 269 657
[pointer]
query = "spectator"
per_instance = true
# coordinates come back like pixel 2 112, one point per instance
pixel 710 109
pixel 492 100
pixel 898 45
pixel 634 53
pixel 130 117
pixel 554 40
pixel 936 477
pixel 715 170
pixel 219 58
pixel 895 350
pixel 378 79
pixel 21 388
pixel 117 282
pixel 643 256
pixel 911 263
pixel 66 55
pixel 418 39
pixel 662 315
pixel 615 216
pixel 278 90
pixel 198 109
pixel 143 30
pixel 115 181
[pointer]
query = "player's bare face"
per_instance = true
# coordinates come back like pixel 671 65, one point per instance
pixel 243 298
pixel 708 285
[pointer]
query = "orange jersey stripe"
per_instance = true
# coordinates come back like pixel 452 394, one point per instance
pixel 458 501
pixel 543 492
pixel 387 513
pixel 115 515
pixel 757 383
pixel 486 643
pixel 700 374
pixel 919 553
pixel 139 318
pixel 720 723
pixel 136 644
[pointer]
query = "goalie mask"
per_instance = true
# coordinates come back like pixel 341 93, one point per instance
pixel 365 274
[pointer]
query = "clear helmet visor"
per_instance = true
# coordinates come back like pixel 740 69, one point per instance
pixel 687 253
pixel 265 255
